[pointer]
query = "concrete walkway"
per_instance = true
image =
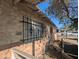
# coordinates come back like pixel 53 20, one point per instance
pixel 55 53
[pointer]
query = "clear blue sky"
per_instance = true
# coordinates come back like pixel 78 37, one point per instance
pixel 43 6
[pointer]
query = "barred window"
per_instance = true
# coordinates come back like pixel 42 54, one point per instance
pixel 33 30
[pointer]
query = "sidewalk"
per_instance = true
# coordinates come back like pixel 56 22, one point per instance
pixel 55 53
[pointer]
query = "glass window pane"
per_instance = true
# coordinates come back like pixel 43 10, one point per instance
pixel 32 30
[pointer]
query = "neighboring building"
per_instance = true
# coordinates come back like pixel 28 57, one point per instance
pixel 22 28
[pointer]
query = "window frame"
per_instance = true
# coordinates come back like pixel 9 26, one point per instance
pixel 29 22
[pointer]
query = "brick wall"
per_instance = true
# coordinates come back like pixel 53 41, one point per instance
pixel 27 48
pixel 10 26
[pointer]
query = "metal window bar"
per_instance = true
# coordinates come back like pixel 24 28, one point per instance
pixel 30 33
